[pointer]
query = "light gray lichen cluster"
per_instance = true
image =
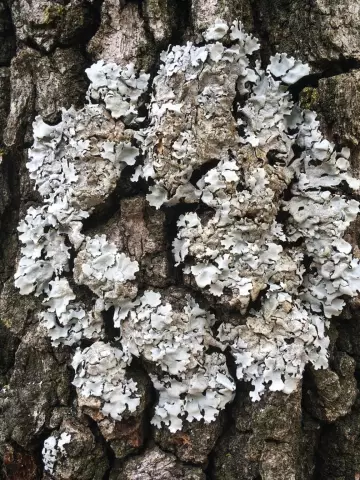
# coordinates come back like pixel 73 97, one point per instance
pixel 76 165
pixel 223 134
pixel 199 394
pixel 175 340
pixel 66 319
pixel 53 449
pixel 120 88
pixel 107 272
pixel 101 372
pixel 193 381
pixel 240 251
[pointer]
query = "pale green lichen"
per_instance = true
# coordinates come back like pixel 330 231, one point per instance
pixel 309 97
pixel 53 13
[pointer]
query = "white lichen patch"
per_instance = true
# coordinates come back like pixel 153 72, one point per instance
pixel 44 253
pixel 120 88
pixel 53 449
pixel 100 371
pixel 193 94
pixel 107 272
pixel 266 239
pixel 200 394
pixel 276 343
pixel 80 159
pixel 239 248
pixel 75 165
pixel 287 68
pixel 67 320
pixel 175 339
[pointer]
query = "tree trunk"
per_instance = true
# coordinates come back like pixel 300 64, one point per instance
pixel 311 433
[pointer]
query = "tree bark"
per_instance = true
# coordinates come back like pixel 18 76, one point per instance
pixel 45 47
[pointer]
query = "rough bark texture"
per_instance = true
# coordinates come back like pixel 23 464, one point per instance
pixel 44 49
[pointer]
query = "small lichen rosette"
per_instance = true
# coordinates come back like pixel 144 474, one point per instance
pixel 173 338
pixel 54 449
pixel 120 88
pixel 175 334
pixel 68 321
pixel 276 343
pixel 199 395
pixel 108 273
pixel 100 371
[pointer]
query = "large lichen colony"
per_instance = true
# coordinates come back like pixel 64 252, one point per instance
pixel 263 239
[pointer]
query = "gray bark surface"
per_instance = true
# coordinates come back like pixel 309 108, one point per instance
pixel 45 47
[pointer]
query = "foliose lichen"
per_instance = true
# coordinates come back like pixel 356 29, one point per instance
pixel 100 371
pixel 53 449
pixel 224 135
pixel 75 165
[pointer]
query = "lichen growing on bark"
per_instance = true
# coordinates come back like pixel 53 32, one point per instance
pixel 223 134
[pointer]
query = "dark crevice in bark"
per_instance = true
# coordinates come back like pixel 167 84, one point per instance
pixel 198 173
pixel 320 454
pixel 153 398
pixel 242 390
pixel 109 452
pixel 72 391
pixel 261 32
pixel 79 41
pixel 329 69
pixel 138 366
pixel 183 20
pixel 7 36
pixel 9 171
pixel 154 47
pixel 125 188
pixel 110 331
pixel 177 9
pixel 308 384
pixel 94 11
pixel 7 355
pixel 84 40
